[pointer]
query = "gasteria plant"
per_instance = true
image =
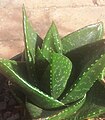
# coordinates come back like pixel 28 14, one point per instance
pixel 61 78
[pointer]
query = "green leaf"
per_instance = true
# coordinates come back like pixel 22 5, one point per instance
pixel 44 83
pixel 39 55
pixel 82 37
pixel 67 112
pixel 10 69
pixel 58 114
pixel 34 111
pixel 92 71
pixel 51 42
pixel 81 56
pixel 42 72
pixel 38 113
pixel 94 104
pixel 30 47
pixel 60 69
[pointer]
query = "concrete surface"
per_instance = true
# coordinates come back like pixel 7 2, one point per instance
pixel 69 15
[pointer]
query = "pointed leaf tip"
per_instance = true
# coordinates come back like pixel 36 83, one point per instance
pixel 23 10
pixel 60 69
pixel 52 42
pixel 30 39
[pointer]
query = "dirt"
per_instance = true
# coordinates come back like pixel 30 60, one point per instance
pixel 10 109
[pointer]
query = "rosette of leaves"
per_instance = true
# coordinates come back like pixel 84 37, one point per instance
pixel 60 78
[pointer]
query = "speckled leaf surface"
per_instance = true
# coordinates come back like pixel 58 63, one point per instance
pixel 91 50
pixel 30 39
pixel 38 113
pixel 94 104
pixel 44 82
pixel 91 72
pixel 67 112
pixel 8 68
pixel 42 72
pixel 60 69
pixel 52 42
pixel 82 37
pixel 80 53
pixel 81 56
pixel 30 47
pixel 39 55
pixel 34 111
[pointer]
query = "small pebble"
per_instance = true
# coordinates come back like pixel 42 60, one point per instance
pixel 11 102
pixel 14 117
pixel 6 115
pixel 3 105
pixel 1 117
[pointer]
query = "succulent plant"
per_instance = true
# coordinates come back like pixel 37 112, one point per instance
pixel 60 78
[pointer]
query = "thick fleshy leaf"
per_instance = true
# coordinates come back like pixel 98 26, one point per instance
pixel 10 69
pixel 67 112
pixel 82 37
pixel 60 69
pixel 30 47
pixel 45 81
pixel 30 39
pixel 38 113
pixel 92 71
pixel 39 55
pixel 94 104
pixel 51 42
pixel 85 52
pixel 35 112
pixel 81 56
pixel 42 72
